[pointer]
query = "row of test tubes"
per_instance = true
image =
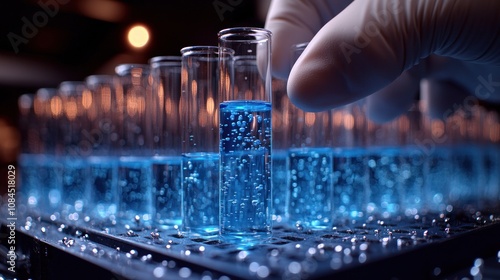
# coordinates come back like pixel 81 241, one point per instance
pixel 183 142
pixel 339 164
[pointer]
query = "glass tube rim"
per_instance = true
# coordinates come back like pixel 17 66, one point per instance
pixel 203 50
pixel 26 101
pixel 262 33
pixel 68 88
pixel 45 93
pixel 164 58
pixel 125 68
pixel 99 79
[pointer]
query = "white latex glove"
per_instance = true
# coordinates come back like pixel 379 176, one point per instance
pixel 385 48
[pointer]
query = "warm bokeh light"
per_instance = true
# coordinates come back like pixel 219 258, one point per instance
pixel 348 121
pixel 138 36
pixel 9 142
pixel 310 118
pixel 210 105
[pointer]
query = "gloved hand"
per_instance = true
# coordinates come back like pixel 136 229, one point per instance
pixel 385 48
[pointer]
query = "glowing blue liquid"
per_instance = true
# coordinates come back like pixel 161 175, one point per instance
pixel 437 179
pixel 75 185
pixel 200 186
pixel 411 177
pixel 134 187
pixel 104 186
pixel 167 191
pixel 311 187
pixel 465 170
pixel 384 193
pixel 280 186
pixel 350 182
pixel 491 191
pixel 31 189
pixel 245 147
pixel 49 176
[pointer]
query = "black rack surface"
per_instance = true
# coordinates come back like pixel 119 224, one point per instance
pixel 430 246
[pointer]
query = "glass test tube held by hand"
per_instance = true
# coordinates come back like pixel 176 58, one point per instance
pixel 309 163
pixel 245 136
pixel 166 161
pixel 200 141
pixel 134 170
pixel 350 172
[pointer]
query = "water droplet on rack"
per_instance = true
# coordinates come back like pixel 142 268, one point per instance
pixel 336 263
pixel 185 272
pixel 338 248
pixel 146 258
pixel 263 271
pixel 294 267
pixel 362 258
pixel 159 272
pixel 242 255
pixel 68 242
pixel 131 233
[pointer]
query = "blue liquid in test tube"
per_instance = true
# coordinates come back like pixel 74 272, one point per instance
pixel 280 186
pixel 201 196
pixel 167 190
pixel 437 183
pixel 245 150
pixel 75 187
pixel 32 193
pixel 311 187
pixel 413 165
pixel 134 183
pixel 50 179
pixel 350 182
pixel 385 193
pixel 103 180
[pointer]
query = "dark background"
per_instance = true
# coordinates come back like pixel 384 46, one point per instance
pixel 72 39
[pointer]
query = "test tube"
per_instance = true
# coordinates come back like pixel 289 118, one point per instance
pixel 436 146
pixel 102 137
pixel 40 172
pixel 167 187
pixel 134 164
pixel 30 155
pixel 349 161
pixel 414 163
pixel 281 143
pixel 75 173
pixel 246 137
pixel 309 162
pixel 50 164
pixel 491 137
pixel 200 141
pixel 384 195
